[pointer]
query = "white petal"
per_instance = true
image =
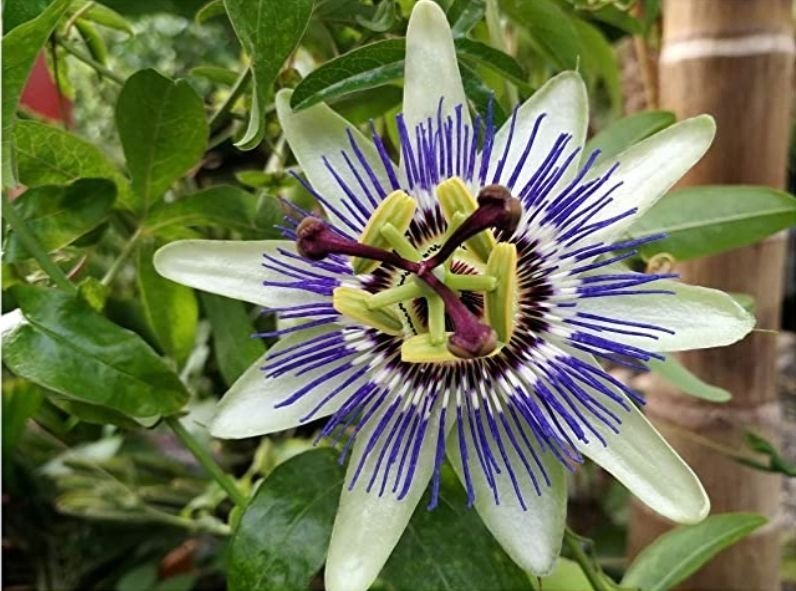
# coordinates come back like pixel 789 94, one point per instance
pixel 650 168
pixel 700 317
pixel 564 102
pixel 248 408
pixel 232 268
pixel 318 132
pixel 531 537
pixel 431 72
pixel 642 460
pixel 367 527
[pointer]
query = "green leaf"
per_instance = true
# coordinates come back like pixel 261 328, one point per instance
pixel 283 535
pixel 234 347
pixel 170 309
pixel 21 400
pixel 628 131
pixel 365 67
pixel 226 206
pixel 621 19
pixel 599 62
pixel 99 415
pixel 477 53
pixel 678 375
pixel 269 32
pixel 215 74
pixel 480 94
pixel 677 554
pixel 549 26
pixel 20 48
pixel 360 107
pixel 47 155
pixel 449 549
pixel 463 15
pixel 567 576
pixel 776 463
pixel 63 345
pixel 163 131
pixel 700 221
pixel 59 215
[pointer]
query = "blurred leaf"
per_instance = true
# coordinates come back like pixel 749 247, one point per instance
pixel 21 400
pixel 20 48
pixel 47 155
pixel 365 67
pixel 65 346
pixel 268 39
pixel 360 107
pixel 16 13
pixel 215 74
pixel 550 27
pixel 144 576
pixel 99 415
pixel 566 576
pixel 477 53
pixel 678 375
pixel 449 549
pixel 652 10
pixel 621 19
pixel 776 463
pixel 107 17
pixel 226 206
pixel 746 301
pixel 384 18
pixel 679 553
pixel 58 215
pixel 211 10
pixel 627 131
pixel 463 15
pixel 700 221
pixel 599 62
pixel 480 95
pixel 170 309
pixel 283 535
pixel 233 344
pixel 163 131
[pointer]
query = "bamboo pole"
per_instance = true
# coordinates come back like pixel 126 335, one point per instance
pixel 733 59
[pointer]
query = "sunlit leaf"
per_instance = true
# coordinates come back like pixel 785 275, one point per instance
pixel 63 345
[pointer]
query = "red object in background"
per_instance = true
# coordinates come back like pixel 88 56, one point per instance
pixel 41 95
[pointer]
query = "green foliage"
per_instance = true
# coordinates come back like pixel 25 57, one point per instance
pixel 163 131
pixel 59 215
pixel 268 39
pixel 283 534
pixel 685 381
pixel 701 221
pixel 676 555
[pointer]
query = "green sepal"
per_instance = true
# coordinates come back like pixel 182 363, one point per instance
pixel 454 197
pixel 353 303
pixel 499 304
pixel 397 209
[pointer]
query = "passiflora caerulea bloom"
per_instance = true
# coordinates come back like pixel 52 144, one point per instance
pixel 456 304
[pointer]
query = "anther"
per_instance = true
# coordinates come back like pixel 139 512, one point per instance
pixel 497 209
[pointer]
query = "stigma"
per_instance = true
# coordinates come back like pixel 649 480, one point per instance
pixel 469 240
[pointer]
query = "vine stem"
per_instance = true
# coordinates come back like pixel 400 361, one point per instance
pixel 234 94
pixel 124 254
pixel 594 576
pixel 34 247
pixel 109 74
pixel 207 461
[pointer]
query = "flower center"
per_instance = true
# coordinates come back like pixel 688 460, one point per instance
pixel 469 237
